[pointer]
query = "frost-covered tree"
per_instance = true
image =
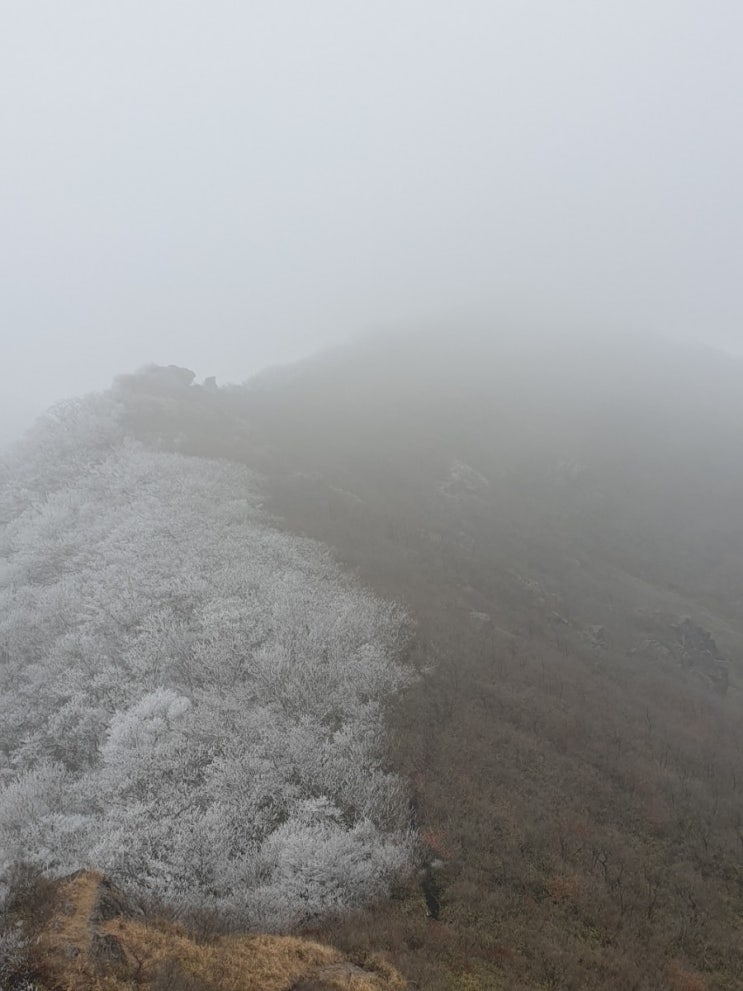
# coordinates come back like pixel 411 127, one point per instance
pixel 190 699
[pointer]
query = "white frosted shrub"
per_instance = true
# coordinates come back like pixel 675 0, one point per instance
pixel 189 698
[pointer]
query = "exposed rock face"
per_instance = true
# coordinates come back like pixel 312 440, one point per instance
pixel 596 637
pixel 110 904
pixel 156 377
pixel 172 375
pixel 480 619
pixel 694 649
pixel 464 480
pixel 697 651
pixel 106 950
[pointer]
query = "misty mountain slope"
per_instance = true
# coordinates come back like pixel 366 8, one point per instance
pixel 562 519
pixel 562 523
pixel 190 700
pixel 628 454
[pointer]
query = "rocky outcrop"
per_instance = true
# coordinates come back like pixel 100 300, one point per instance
pixel 698 652
pixel 596 637
pixel 463 480
pixel 692 648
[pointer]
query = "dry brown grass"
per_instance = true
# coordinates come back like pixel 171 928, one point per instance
pixel 76 952
pixel 63 948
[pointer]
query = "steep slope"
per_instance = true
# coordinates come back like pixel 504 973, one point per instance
pixel 562 521
pixel 562 518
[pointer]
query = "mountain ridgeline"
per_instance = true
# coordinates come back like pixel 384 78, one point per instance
pixel 526 775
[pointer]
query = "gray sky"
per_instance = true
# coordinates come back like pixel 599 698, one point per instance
pixel 229 184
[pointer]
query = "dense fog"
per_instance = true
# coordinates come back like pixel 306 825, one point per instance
pixel 237 186
pixel 375 571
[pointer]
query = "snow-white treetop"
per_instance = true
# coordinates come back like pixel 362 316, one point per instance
pixel 190 699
